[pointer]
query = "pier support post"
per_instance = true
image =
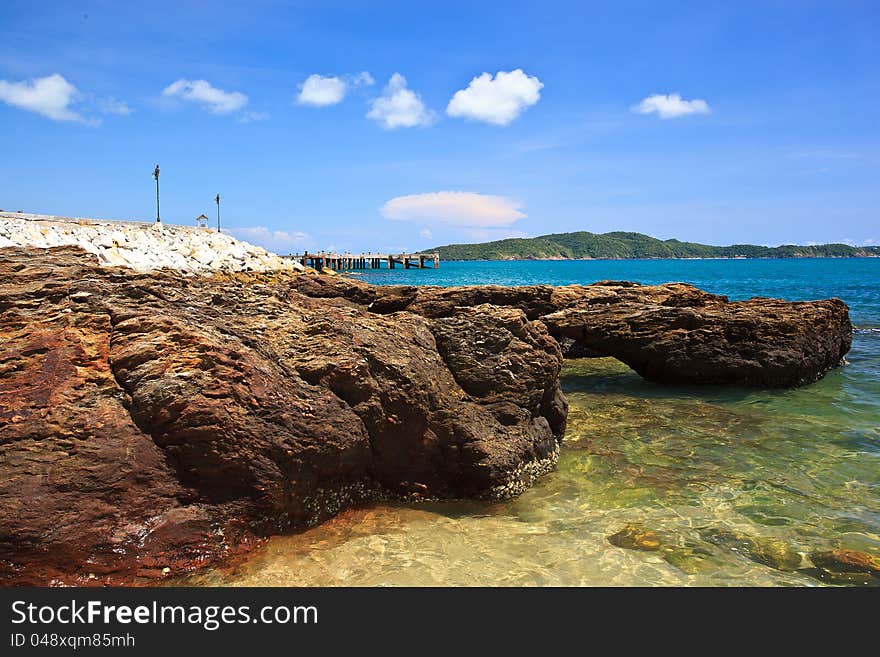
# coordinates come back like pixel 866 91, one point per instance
pixel 348 261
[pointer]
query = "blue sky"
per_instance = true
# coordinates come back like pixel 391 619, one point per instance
pixel 772 137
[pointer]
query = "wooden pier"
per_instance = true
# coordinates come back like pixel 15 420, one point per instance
pixel 342 261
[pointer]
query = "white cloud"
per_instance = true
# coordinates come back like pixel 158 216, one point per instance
pixel 363 79
pixel 113 106
pixel 399 107
pixel 670 106
pixel 277 241
pixel 216 101
pixel 497 100
pixel 320 91
pixel 50 96
pixel 426 233
pixel 56 98
pixel 454 209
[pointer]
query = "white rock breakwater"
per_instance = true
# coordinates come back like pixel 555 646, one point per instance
pixel 141 246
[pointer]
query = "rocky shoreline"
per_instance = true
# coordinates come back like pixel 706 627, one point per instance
pixel 152 423
pixel 141 246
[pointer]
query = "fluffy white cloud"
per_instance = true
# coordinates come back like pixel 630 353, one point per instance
pixel 497 100
pixel 50 96
pixel 277 241
pixel 320 91
pixel 670 106
pixel 426 233
pixel 216 101
pixel 399 107
pixel 454 209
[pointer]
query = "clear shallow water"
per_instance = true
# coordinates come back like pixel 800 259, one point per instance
pixel 723 476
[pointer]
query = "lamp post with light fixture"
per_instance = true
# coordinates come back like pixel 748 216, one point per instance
pixel 156 176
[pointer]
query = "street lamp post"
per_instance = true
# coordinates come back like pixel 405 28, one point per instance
pixel 217 200
pixel 156 176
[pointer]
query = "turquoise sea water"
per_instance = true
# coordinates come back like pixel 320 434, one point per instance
pixel 732 486
pixel 855 280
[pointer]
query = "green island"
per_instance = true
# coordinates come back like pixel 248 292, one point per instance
pixel 582 245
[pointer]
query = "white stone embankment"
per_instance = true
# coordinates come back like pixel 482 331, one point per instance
pixel 141 246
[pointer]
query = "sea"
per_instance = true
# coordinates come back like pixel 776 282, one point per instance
pixel 713 485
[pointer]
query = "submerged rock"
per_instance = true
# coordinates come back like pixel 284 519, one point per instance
pixel 690 559
pixel 633 537
pixel 846 567
pixel 771 552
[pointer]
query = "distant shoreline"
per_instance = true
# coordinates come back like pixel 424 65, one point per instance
pixel 583 245
pixel 811 257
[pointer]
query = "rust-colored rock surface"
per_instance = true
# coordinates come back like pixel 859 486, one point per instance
pixel 152 423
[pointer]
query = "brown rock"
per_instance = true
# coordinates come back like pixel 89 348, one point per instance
pixel 771 552
pixel 143 416
pixel 633 537
pixel 847 561
pixel 671 333
pixel 764 342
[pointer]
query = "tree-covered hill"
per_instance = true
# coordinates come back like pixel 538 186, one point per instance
pixel 620 245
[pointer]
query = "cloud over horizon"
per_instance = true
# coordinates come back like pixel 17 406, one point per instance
pixel 670 106
pixel 497 100
pixel 204 94
pixel 457 209
pixel 399 107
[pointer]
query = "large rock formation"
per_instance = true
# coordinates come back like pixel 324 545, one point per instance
pixel 672 333
pixel 152 422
